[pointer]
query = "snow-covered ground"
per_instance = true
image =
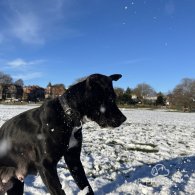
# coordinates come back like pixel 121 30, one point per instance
pixel 151 153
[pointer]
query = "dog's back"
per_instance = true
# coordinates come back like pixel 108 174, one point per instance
pixel 38 138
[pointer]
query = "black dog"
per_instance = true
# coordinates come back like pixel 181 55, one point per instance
pixel 39 137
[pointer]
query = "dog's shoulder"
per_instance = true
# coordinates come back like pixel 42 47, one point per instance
pixel 51 110
pixel 25 121
pixel 19 120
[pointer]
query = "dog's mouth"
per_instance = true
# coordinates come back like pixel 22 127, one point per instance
pixel 103 125
pixel 101 122
pixel 112 123
pixel 104 122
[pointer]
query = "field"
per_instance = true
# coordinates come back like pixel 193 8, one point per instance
pixel 151 153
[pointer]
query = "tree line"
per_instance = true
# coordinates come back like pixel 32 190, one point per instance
pixel 6 79
pixel 142 94
pixel 182 97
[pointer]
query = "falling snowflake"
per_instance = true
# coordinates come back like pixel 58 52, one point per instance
pixel 5 146
pixel 40 136
pixel 102 109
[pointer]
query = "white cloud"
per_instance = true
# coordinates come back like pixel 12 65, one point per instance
pixel 23 69
pixel 37 22
pixel 17 63
pixel 28 76
pixel 27 28
pixel 21 63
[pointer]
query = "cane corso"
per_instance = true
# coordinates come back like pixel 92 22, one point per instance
pixel 38 138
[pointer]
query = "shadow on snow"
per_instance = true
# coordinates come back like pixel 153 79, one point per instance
pixel 185 165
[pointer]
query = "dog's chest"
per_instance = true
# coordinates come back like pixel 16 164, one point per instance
pixel 75 138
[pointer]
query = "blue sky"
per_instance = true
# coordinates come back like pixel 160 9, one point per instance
pixel 58 41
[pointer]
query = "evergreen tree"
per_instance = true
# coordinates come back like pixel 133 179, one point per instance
pixel 160 99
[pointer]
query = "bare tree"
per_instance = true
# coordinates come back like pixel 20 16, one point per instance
pixel 5 78
pixel 119 91
pixel 19 82
pixel 144 90
pixel 183 95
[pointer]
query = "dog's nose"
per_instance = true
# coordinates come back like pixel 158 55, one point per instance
pixel 123 119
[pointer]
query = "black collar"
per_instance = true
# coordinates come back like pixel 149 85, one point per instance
pixel 72 114
pixel 67 109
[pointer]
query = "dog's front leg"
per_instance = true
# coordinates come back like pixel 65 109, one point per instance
pixel 72 159
pixel 48 173
pixel 17 189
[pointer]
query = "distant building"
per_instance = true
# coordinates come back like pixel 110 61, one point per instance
pixel 53 91
pixel 150 98
pixel 33 93
pixel 169 100
pixel 134 97
pixel 10 92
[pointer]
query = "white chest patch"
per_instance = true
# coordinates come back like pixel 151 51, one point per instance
pixel 73 142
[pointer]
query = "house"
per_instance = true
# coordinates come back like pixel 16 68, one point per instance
pixel 150 98
pixel 53 91
pixel 134 97
pixel 169 100
pixel 33 93
pixel 10 92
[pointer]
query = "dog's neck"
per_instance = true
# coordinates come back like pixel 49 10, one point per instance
pixel 64 103
pixel 71 113
pixel 74 99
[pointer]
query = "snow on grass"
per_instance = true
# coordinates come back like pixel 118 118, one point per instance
pixel 151 153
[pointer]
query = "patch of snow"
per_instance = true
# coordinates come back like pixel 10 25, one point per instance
pixel 84 191
pixel 73 142
pixel 120 161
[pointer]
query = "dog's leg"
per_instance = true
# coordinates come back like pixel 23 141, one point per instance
pixel 72 158
pixel 17 189
pixel 48 173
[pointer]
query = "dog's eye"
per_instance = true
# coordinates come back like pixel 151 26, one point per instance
pixel 111 99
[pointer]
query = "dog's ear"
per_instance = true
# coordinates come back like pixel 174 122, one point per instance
pixel 115 77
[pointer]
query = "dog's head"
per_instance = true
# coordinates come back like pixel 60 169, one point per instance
pixel 100 98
